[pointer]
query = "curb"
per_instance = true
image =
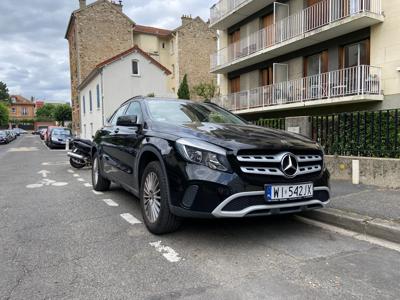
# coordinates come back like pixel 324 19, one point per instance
pixel 383 229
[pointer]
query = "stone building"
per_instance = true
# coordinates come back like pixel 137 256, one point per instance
pixel 101 30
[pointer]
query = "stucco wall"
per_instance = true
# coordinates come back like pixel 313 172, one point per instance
pixel 373 171
pixel 91 119
pixel 120 85
pixel 385 47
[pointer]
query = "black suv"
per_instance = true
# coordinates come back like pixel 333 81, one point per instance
pixel 190 159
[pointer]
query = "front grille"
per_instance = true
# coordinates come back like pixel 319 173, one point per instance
pixel 310 163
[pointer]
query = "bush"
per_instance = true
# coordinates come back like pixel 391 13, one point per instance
pixel 183 91
pixel 4 114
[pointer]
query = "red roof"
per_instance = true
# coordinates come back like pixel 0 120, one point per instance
pixel 151 30
pixel 129 51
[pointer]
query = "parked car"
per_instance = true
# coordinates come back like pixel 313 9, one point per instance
pixel 42 133
pixel 12 134
pixel 188 159
pixel 57 137
pixel 4 137
pixel 20 131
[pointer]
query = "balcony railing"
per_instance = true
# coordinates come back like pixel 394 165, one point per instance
pixel 360 80
pixel 313 17
pixel 224 7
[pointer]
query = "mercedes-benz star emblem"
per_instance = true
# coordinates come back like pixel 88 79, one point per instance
pixel 289 165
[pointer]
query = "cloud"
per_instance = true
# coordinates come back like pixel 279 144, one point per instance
pixel 34 54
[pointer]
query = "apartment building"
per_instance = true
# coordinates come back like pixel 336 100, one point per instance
pixel 100 30
pixel 305 57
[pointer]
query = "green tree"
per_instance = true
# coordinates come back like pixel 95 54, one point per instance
pixel 46 112
pixel 63 113
pixel 4 95
pixel 205 90
pixel 183 91
pixel 4 114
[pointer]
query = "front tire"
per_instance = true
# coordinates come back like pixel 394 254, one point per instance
pixel 154 201
pixel 99 182
pixel 75 164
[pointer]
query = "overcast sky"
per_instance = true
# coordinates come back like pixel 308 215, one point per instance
pixel 34 54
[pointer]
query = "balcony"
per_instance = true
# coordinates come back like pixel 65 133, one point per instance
pixel 350 85
pixel 320 22
pixel 224 14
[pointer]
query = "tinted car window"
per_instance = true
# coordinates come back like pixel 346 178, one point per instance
pixel 117 114
pixel 189 112
pixel 2 133
pixel 134 110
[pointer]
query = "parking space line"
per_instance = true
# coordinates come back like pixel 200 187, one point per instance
pixel 80 179
pixel 170 254
pixel 87 184
pixel 97 193
pixel 76 175
pixel 110 202
pixel 130 219
pixel 70 171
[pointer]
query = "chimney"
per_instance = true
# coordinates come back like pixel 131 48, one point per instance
pixel 186 19
pixel 82 4
pixel 117 4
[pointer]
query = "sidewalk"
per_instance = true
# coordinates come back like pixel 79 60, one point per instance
pixel 362 208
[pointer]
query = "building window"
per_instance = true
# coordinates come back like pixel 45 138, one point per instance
pixel 135 67
pixel 24 111
pixel 90 101
pixel 13 110
pixel 84 131
pixel 98 96
pixel 163 45
pixel 91 129
pixel 84 104
pixel 173 71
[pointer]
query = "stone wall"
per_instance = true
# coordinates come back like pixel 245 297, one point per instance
pixel 196 42
pixel 382 172
pixel 100 31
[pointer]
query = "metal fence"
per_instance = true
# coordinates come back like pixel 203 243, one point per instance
pixel 272 123
pixel 370 134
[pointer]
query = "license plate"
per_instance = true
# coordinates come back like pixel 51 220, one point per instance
pixel 288 192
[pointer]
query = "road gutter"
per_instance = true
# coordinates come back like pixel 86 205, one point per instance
pixel 383 229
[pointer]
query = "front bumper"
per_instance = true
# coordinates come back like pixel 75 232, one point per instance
pixel 225 210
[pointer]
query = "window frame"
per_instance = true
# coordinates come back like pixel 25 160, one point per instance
pixel 137 66
pixel 139 117
pixel 98 96
pixel 84 104
pixel 90 101
pixel 111 120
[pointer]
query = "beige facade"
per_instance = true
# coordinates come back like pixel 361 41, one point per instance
pixel 100 30
pixel 251 69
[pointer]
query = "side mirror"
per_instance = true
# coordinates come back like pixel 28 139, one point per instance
pixel 127 121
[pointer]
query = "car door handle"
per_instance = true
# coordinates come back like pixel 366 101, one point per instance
pixel 116 130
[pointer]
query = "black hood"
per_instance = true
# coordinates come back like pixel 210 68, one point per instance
pixel 238 137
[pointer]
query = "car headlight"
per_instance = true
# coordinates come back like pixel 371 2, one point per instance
pixel 203 153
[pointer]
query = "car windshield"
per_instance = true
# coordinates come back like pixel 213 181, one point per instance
pixel 61 131
pixel 181 112
pixel 2 133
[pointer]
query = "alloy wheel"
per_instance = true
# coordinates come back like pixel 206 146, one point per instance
pixel 95 171
pixel 152 197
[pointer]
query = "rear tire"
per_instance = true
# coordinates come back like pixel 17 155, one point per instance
pixel 99 182
pixel 154 201
pixel 76 164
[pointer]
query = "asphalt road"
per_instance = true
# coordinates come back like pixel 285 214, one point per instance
pixel 60 240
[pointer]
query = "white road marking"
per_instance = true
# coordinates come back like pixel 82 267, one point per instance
pixel 23 149
pixel 60 184
pixel 56 163
pixel 87 184
pixel 34 185
pixel 97 193
pixel 76 175
pixel 44 173
pixel 169 253
pixel 70 171
pixel 349 233
pixel 130 219
pixel 110 202
pixel 80 179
